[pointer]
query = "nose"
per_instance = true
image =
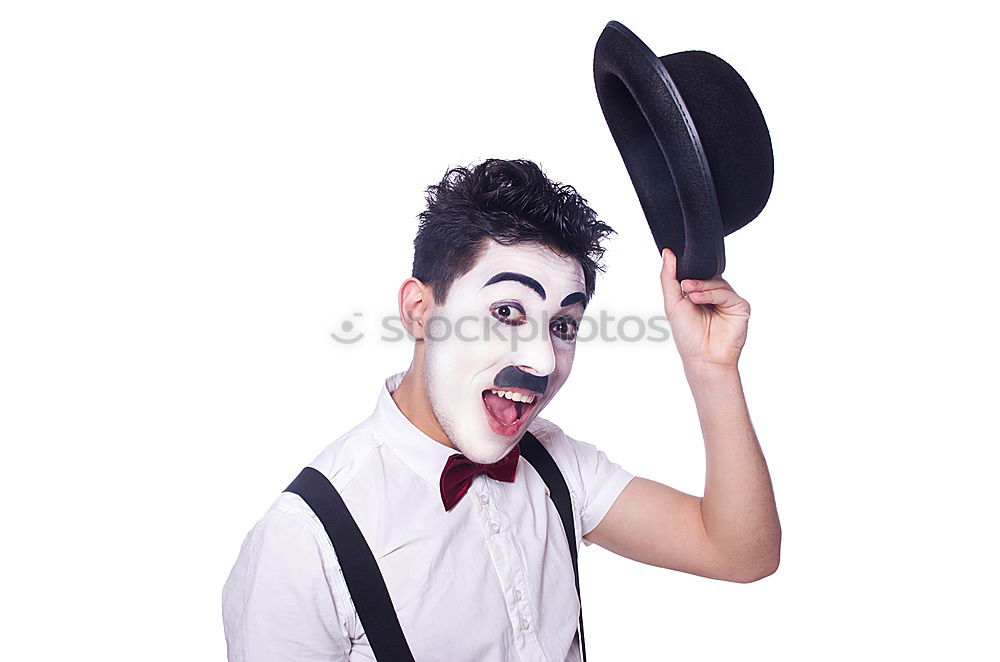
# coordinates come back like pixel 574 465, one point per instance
pixel 535 355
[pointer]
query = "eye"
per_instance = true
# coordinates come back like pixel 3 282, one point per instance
pixel 508 313
pixel 565 328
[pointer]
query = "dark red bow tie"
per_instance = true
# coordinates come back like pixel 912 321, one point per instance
pixel 456 478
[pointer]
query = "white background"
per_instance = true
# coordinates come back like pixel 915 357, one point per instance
pixel 195 194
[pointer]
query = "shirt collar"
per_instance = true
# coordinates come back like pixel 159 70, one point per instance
pixel 421 453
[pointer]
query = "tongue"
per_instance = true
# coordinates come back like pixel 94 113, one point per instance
pixel 502 409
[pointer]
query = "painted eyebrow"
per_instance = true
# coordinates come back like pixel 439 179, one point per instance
pixel 519 278
pixel 576 297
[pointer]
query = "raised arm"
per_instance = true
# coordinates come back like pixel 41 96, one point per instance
pixel 732 532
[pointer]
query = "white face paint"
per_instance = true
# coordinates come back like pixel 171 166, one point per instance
pixel 483 329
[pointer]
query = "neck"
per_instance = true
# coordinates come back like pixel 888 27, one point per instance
pixel 411 398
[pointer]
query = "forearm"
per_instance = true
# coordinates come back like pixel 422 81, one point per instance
pixel 738 507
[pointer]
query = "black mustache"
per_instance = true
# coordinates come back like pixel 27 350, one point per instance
pixel 515 377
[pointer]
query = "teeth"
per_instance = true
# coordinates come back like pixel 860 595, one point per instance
pixel 516 397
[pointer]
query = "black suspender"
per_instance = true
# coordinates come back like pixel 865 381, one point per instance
pixel 364 580
pixel 361 573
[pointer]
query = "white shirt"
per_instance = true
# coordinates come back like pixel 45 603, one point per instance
pixel 490 580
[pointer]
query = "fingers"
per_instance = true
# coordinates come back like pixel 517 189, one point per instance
pixel 691 285
pixel 716 291
pixel 723 297
pixel 672 294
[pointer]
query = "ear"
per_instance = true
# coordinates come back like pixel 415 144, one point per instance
pixel 415 301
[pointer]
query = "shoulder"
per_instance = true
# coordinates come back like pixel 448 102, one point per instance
pixel 567 451
pixel 340 462
pixel 288 551
pixel 349 455
pixel 547 432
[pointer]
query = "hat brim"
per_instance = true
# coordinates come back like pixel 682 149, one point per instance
pixel 663 154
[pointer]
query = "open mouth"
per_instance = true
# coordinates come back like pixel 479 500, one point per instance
pixel 507 409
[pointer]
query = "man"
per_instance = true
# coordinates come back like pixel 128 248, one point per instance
pixel 504 266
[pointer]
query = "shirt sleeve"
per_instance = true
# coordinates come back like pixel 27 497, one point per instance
pixel 598 480
pixel 285 597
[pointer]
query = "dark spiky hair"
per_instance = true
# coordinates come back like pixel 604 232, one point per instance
pixel 511 202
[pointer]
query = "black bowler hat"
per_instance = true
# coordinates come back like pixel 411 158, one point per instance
pixel 694 143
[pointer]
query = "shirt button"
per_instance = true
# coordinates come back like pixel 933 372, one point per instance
pixel 495 527
pixel 524 624
pixel 517 594
pixel 483 499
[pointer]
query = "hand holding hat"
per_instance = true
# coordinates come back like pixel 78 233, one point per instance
pixel 708 319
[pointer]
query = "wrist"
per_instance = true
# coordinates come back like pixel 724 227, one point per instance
pixel 701 372
pixel 717 391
